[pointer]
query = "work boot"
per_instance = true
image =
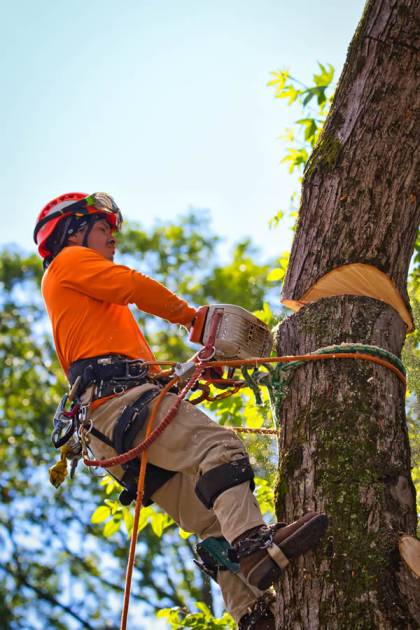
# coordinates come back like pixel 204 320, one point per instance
pixel 263 552
pixel 260 615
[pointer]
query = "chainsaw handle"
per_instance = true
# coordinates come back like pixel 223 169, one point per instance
pixel 209 350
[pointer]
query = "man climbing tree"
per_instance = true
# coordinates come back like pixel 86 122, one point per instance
pixel 344 446
pixel 198 471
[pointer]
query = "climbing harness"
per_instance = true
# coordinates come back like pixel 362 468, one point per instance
pixel 187 376
pixel 108 374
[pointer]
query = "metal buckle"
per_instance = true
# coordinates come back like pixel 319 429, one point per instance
pixel 184 370
pixel 119 389
pixel 142 370
pixel 106 360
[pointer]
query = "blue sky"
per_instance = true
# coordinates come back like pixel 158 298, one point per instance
pixel 162 103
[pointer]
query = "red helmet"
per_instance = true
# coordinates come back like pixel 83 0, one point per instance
pixel 98 203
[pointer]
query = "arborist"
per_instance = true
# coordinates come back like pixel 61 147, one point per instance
pixel 198 471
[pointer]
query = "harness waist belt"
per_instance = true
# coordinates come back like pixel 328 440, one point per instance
pixel 106 368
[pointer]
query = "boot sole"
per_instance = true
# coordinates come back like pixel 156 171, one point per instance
pixel 266 572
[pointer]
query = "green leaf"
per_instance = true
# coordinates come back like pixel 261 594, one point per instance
pixel 144 518
pixel 275 220
pixel 325 77
pixel 279 81
pixel 252 416
pixel 183 534
pixel 276 274
pixel 111 527
pixel 265 314
pixel 289 92
pixel 310 128
pixel 264 491
pixel 204 608
pixel 128 520
pixel 180 618
pixel 157 524
pixel 288 135
pixel 296 157
pixel 100 514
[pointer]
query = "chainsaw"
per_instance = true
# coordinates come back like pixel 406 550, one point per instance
pixel 230 332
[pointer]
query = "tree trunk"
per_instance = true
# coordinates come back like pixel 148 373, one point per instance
pixel 344 446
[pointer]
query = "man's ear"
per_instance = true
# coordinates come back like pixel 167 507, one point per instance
pixel 74 239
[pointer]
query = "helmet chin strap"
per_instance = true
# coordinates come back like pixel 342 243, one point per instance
pixel 86 235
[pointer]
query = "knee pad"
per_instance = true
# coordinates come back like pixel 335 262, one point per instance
pixel 214 556
pixel 215 481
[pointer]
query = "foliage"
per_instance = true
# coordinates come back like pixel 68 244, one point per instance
pixel 202 620
pixel 313 103
pixel 302 138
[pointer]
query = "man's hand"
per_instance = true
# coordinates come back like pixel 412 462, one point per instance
pixel 189 325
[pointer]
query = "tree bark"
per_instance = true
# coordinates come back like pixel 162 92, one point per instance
pixel 344 446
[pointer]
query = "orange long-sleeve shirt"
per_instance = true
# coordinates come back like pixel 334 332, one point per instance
pixel 87 299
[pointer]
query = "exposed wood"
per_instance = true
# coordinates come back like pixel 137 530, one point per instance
pixel 410 553
pixel 356 279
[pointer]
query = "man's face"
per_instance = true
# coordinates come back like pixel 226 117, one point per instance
pixel 100 238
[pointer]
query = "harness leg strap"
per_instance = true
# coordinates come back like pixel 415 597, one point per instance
pixel 128 425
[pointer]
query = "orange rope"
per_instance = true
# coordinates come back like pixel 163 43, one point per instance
pixel 133 541
pixel 288 359
pixel 140 493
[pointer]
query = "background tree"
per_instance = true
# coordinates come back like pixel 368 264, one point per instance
pixel 344 445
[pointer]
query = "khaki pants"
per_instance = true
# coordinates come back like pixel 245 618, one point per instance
pixel 192 445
